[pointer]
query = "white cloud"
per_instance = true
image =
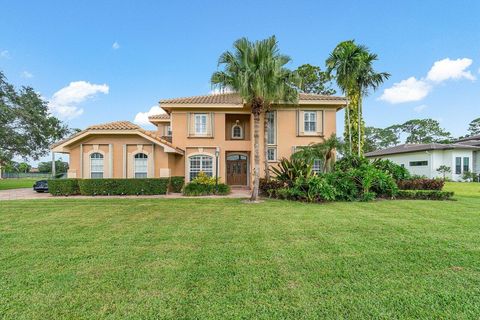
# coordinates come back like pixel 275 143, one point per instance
pixel 115 45
pixel 420 108
pixel 407 90
pixel 142 117
pixel 4 54
pixel 450 69
pixel 26 75
pixel 220 91
pixel 64 102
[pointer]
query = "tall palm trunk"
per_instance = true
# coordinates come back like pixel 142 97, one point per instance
pixel 349 130
pixel 359 125
pixel 265 146
pixel 256 150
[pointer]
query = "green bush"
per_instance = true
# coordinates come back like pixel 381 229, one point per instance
pixel 63 187
pixel 396 171
pixel 350 162
pixel 149 186
pixel 287 171
pixel 195 188
pixel 176 184
pixel 268 188
pixel 424 195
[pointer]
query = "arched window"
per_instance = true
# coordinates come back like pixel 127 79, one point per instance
pixel 140 165
pixel 200 163
pixel 96 165
pixel 237 131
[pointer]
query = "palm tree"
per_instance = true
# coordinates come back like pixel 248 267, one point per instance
pixel 256 70
pixel 324 151
pixel 354 74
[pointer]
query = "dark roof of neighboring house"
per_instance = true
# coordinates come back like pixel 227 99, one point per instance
pixel 472 140
pixel 407 148
pixel 234 98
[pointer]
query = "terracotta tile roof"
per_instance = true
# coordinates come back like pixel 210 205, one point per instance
pixel 406 148
pixel 161 116
pixel 234 98
pixel 116 125
pixel 120 125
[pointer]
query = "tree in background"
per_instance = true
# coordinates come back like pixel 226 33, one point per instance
pixel 443 170
pixel 256 70
pixel 27 129
pixel 24 167
pixel 60 166
pixel 314 80
pixel 425 131
pixel 474 127
pixel 378 138
pixel 353 71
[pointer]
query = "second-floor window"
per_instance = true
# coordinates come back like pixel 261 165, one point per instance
pixel 271 127
pixel 168 131
pixel 310 121
pixel 200 123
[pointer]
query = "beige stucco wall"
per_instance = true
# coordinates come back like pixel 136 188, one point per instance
pixel 288 136
pixel 119 152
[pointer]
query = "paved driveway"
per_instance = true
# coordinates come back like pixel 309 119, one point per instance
pixel 24 193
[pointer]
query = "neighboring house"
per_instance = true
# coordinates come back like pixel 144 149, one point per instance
pixel 425 159
pixel 211 134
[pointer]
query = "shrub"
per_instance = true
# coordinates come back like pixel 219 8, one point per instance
pixel 396 171
pixel 176 184
pixel 425 195
pixel 421 184
pixel 268 188
pixel 195 188
pixel 350 162
pixel 149 186
pixel 63 187
pixel 470 176
pixel 288 171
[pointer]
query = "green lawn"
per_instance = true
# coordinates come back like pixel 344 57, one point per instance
pixel 223 259
pixel 6 184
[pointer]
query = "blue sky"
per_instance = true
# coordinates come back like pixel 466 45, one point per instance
pixel 100 61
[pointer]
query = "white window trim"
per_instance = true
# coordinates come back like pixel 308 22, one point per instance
pixel 271 147
pixel 135 165
pixel 103 164
pixel 274 112
pixel 241 132
pixel 187 174
pixel 310 112
pixel 196 129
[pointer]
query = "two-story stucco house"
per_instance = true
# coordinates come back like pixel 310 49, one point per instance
pixel 211 134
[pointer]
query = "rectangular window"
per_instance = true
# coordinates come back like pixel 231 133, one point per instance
pixel 271 154
pixel 200 123
pixel 458 165
pixel 466 164
pixel 168 131
pixel 96 175
pixel 310 121
pixel 418 163
pixel 271 129
pixel 317 166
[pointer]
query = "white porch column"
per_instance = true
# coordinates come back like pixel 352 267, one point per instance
pixel 81 161
pixel 53 165
pixel 110 160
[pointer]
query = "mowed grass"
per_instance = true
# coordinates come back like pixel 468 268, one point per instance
pixel 224 259
pixel 6 184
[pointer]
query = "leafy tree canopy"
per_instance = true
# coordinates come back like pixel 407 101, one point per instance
pixel 425 131
pixel 474 127
pixel 60 166
pixel 27 129
pixel 378 138
pixel 314 80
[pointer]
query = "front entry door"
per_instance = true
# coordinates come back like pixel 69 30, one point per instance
pixel 237 170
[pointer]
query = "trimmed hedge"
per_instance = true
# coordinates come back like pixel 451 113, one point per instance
pixel 107 187
pixel 63 187
pixel 149 186
pixel 202 189
pixel 421 184
pixel 424 195
pixel 176 184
